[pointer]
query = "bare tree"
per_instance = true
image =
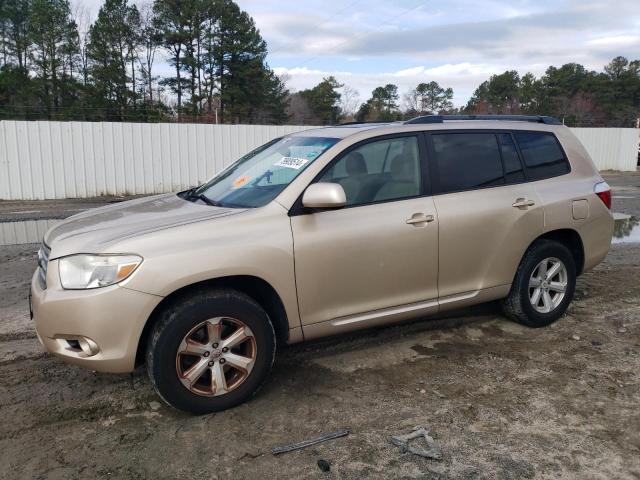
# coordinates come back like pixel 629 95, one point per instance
pixel 299 112
pixel 150 40
pixel 82 18
pixel 349 102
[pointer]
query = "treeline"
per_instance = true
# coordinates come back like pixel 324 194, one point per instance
pixel 578 96
pixel 56 64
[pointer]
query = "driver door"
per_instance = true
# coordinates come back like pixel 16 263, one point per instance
pixel 376 259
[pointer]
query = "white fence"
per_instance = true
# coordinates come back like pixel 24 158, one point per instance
pixel 611 148
pixel 47 160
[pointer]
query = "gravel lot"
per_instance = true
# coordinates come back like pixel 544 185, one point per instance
pixel 502 401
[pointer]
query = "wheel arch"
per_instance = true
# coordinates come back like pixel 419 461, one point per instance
pixel 569 238
pixel 255 287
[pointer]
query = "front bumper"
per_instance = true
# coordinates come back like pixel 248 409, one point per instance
pixel 113 318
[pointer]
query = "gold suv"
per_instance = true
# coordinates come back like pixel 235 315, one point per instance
pixel 318 233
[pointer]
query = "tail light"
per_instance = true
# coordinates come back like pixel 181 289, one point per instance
pixel 603 190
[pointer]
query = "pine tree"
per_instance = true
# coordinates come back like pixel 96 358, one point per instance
pixel 170 22
pixel 248 89
pixel 17 41
pixel 112 52
pixel 324 100
pixel 53 35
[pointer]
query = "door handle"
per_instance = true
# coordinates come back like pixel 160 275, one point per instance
pixel 523 203
pixel 418 218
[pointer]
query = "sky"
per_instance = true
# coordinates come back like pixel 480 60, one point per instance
pixel 458 43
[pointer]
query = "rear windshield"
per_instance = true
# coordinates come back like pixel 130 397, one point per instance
pixel 258 177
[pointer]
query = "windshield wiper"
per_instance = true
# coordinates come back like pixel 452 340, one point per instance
pixel 191 195
pixel 207 200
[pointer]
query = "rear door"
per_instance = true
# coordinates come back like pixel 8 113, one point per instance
pixel 488 213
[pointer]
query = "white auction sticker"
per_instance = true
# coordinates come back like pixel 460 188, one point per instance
pixel 291 162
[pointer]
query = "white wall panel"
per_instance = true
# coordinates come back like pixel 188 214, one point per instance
pixel 40 160
pixel 611 148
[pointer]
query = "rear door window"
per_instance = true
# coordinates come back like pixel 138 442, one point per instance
pixel 465 161
pixel 542 155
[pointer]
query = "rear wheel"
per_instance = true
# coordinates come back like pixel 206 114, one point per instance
pixel 544 285
pixel 210 351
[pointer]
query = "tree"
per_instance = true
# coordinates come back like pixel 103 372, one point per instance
pixel 149 42
pixel 83 22
pixel 53 34
pixel 324 101
pixel 429 98
pixel 113 41
pixel 499 94
pixel 382 106
pixel 169 20
pixel 349 100
pixel 247 86
pixel 17 39
pixel 4 30
pixel 298 110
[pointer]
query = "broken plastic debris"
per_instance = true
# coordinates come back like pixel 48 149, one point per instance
pixel 432 451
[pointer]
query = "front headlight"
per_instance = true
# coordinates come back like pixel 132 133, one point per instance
pixel 94 271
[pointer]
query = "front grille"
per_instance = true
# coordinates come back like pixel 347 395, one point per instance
pixel 43 263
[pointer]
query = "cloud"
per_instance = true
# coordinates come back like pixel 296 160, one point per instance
pixel 463 78
pixel 459 43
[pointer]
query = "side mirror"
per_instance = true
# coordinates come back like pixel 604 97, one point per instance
pixel 324 195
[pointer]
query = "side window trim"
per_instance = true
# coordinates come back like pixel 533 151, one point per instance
pixel 425 184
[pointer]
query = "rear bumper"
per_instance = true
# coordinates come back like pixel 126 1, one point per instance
pixel 108 320
pixel 596 238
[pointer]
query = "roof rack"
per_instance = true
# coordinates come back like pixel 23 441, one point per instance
pixel 510 118
pixel 351 124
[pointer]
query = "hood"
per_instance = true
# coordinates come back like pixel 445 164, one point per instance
pixel 95 230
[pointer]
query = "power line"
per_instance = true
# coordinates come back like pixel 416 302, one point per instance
pixel 322 24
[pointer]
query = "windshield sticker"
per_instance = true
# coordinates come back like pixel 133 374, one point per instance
pixel 291 162
pixel 240 181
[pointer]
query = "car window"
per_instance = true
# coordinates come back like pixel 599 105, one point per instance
pixel 466 161
pixel 259 176
pixel 513 172
pixel 377 171
pixel 542 155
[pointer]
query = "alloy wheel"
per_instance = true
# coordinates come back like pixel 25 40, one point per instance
pixel 548 284
pixel 216 356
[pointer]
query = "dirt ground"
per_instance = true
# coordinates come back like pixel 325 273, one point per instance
pixel 503 401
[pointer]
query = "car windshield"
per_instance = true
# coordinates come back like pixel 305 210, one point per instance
pixel 258 177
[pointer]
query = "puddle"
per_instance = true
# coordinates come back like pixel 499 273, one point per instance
pixel 626 229
pixel 28 231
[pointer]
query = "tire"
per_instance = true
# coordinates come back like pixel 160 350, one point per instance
pixel 519 305
pixel 191 325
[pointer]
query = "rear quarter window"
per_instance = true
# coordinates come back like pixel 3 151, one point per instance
pixel 543 157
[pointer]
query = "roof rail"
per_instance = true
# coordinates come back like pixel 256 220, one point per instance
pixel 510 118
pixel 349 124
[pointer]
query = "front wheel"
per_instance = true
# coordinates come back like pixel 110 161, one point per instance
pixel 543 286
pixel 210 351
